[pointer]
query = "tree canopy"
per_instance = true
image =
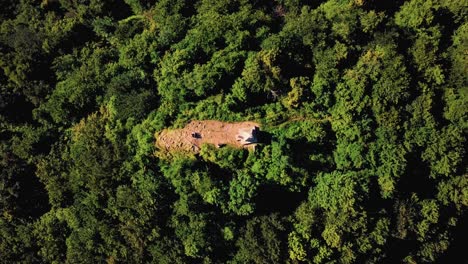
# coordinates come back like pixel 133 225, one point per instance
pixel 363 111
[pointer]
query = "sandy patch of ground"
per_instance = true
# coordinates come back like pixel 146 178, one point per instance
pixel 194 134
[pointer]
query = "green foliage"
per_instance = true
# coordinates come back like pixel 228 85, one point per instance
pixel 416 13
pixel 362 107
pixel 261 241
pixel 454 191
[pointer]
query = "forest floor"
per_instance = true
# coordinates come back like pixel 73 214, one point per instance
pixel 207 131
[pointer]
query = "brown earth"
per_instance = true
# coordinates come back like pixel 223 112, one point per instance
pixel 208 131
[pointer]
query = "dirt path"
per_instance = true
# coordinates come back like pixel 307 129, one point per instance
pixel 195 133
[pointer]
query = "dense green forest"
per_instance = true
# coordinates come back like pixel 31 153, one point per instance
pixel 363 104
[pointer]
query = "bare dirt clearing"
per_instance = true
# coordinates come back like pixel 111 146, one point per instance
pixel 196 133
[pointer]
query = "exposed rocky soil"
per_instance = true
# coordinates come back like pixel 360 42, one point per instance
pixel 195 133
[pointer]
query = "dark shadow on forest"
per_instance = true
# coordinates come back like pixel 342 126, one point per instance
pixel 457 249
pixel 389 6
pixel 16 109
pixel 277 199
pixel 375 204
pixel 33 200
pixel 416 178
pixel 398 249
pixel 119 10
pixel 264 137
pixel 302 149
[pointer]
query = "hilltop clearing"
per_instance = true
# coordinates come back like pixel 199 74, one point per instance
pixel 196 133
